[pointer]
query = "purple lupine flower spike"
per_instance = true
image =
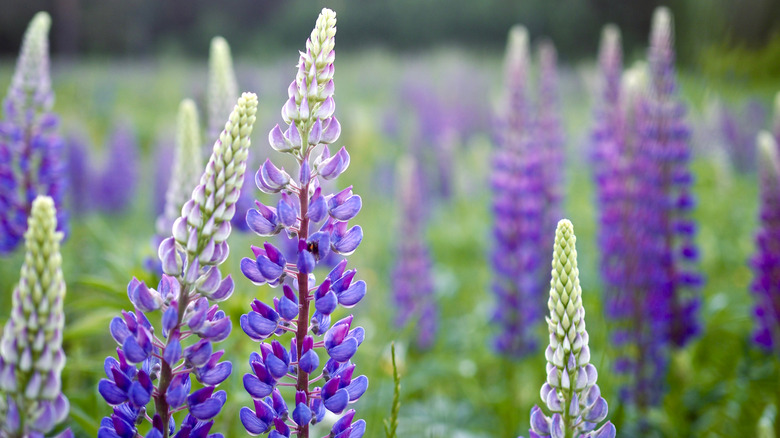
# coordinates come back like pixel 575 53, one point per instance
pixel 30 150
pixel 319 223
pixel 115 184
pixel 518 207
pixel 666 153
pixel 31 398
pixel 161 369
pixel 570 393
pixel 412 279
pixel 766 261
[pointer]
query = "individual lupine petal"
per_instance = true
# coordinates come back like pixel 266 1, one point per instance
pixel 606 431
pixel 172 352
pixel 344 241
pixel 251 271
pixel 540 424
pixel 145 299
pixel 335 399
pixel 286 210
pixel 317 206
pixel 309 359
pixel 263 220
pixel 331 131
pixel 271 179
pixel 357 388
pixel 177 391
pixel 111 392
pixel 199 353
pixel 353 294
pixel 316 133
pixel 278 141
pixel 302 413
pixel 118 329
pixel 252 423
pixel 205 406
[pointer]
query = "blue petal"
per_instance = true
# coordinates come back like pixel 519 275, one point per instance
pixel 256 388
pixel 111 393
pixel 252 424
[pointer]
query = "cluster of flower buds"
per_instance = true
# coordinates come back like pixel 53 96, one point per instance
pixel 31 356
pixel 570 393
pixel 302 205
pixel 30 161
pixel 152 368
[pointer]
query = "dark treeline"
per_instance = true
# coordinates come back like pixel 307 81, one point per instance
pixel 141 27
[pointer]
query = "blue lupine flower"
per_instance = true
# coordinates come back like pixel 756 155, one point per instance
pixel 30 151
pixel 301 206
pixel 160 369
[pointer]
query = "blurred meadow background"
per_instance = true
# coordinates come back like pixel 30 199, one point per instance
pixel 424 79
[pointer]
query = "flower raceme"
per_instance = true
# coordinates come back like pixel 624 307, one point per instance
pixel 31 355
pixel 303 205
pixel 148 367
pixel 570 393
pixel 30 150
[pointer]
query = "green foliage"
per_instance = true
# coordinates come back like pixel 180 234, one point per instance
pixel 391 424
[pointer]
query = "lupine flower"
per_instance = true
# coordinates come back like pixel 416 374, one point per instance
pixel 148 367
pixel 412 279
pixel 30 150
pixel 222 92
pixel 31 356
pixel 115 184
pixel 187 166
pixel 518 207
pixel 766 261
pixel 644 355
pixel 647 236
pixel 570 393
pixel 301 206
pixel 664 153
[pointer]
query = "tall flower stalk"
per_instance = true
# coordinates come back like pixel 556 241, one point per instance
pixel 30 150
pixel 570 393
pixel 149 368
pixel 766 261
pixel 31 355
pixel 412 279
pixel 304 309
pixel 518 206
pixel 664 154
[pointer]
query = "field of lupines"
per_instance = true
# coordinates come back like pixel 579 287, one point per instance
pixel 199 250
